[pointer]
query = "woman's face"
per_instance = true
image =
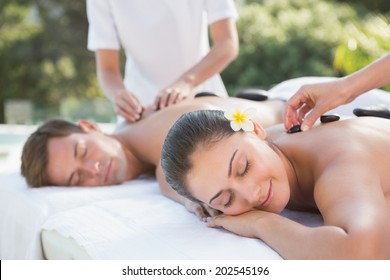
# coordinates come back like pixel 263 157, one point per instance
pixel 238 174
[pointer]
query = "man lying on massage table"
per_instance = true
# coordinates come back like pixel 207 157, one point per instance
pixel 65 154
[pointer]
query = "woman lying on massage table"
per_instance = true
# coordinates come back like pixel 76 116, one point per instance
pixel 340 169
pixel 64 154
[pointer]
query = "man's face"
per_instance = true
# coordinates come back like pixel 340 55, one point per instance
pixel 86 159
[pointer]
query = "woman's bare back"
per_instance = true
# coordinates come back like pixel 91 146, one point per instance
pixel 354 141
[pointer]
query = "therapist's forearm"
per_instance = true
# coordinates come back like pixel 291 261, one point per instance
pixel 374 75
pixel 108 72
pixel 213 63
pixel 110 83
pixel 223 51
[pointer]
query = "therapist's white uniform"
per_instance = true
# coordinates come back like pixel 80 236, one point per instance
pixel 161 38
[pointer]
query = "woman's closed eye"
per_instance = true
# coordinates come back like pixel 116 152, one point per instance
pixel 230 200
pixel 246 169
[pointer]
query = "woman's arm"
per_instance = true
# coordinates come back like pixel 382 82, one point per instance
pixel 110 79
pixel 223 51
pixel 288 238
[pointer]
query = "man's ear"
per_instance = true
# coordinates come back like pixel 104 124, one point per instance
pixel 259 131
pixel 87 126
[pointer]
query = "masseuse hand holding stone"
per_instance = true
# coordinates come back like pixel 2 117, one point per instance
pixel 311 101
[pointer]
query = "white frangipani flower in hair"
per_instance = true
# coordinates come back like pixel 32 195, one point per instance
pixel 241 119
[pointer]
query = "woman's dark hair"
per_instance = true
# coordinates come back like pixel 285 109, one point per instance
pixel 190 132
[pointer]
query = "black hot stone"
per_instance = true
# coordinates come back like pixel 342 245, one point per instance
pixel 295 128
pixel 329 118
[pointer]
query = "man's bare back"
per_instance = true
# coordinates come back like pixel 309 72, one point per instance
pixel 148 145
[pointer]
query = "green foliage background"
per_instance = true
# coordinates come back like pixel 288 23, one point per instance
pixel 43 55
pixel 285 39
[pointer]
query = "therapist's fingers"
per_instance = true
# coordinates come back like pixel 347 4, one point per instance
pixel 128 117
pixel 128 101
pixel 173 96
pixel 312 117
pixel 133 102
pixel 293 105
pixel 128 106
pixel 170 97
pixel 122 109
pixel 156 105
pixel 302 112
pixel 291 116
pixel 162 99
pixel 299 105
pixel 177 98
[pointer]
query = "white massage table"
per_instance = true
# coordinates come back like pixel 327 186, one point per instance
pixel 130 221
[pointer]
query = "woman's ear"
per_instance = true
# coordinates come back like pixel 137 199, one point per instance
pixel 87 126
pixel 259 131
